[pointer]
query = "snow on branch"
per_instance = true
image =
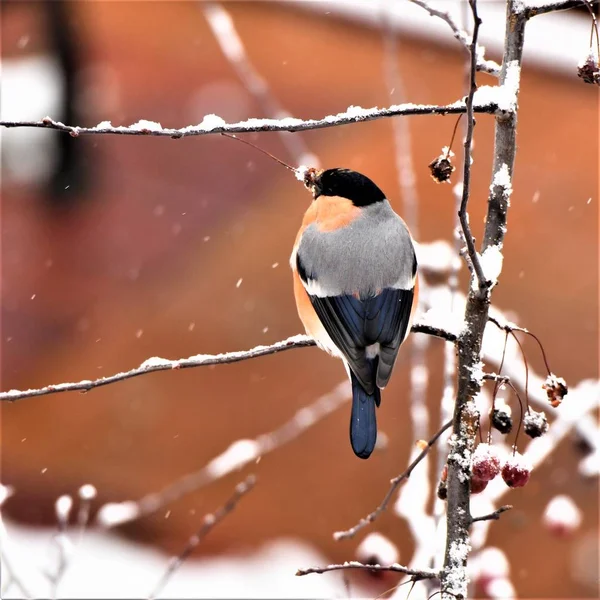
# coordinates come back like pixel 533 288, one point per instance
pixel 542 7
pixel 154 364
pixel 223 28
pixel 213 124
pixel 486 66
pixel 417 574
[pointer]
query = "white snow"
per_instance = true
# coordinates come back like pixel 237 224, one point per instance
pixel 491 562
pixel 444 318
pixel 590 465
pixel 590 57
pixel 503 179
pixel 156 361
pixel 500 589
pixel 143 124
pixel 114 513
pixel 562 512
pixel 87 492
pixel 438 256
pixel 6 491
pixel 300 172
pixel 63 507
pixel 536 419
pixel 106 565
pixel 222 27
pixel 520 461
pixel 377 546
pixel 240 453
pixel 491 262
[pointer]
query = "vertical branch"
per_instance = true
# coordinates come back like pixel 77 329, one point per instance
pixel 454 577
pixel 466 187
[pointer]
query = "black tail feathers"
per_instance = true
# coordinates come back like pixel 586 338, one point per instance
pixel 363 422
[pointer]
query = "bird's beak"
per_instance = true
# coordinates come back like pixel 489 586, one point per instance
pixel 312 182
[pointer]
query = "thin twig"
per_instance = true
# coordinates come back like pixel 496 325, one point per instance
pixel 418 574
pixel 213 125
pixel 493 516
pixel 210 521
pixel 239 454
pixel 154 364
pixel 487 66
pixel 532 9
pixel 350 533
pixel 495 377
pixel 466 187
pixel 454 577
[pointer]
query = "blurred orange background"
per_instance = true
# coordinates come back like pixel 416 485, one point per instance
pixel 132 247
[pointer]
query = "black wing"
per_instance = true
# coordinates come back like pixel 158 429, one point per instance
pixel 355 323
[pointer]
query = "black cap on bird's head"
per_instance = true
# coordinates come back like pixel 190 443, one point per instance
pixel 344 183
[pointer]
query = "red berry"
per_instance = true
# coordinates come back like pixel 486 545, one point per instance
pixel 516 471
pixel 477 485
pixel 486 463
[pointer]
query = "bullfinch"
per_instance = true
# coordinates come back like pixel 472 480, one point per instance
pixel 355 284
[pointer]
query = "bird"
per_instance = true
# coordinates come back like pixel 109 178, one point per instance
pixel 354 270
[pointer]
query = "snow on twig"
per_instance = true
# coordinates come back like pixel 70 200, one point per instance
pixel 487 66
pixel 213 124
pixel 417 574
pixel 156 363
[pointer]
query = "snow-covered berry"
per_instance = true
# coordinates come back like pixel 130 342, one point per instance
pixel 441 168
pixel 377 549
pixel 516 470
pixel 486 462
pixel 535 423
pixel 562 516
pixel 502 421
pixel 588 69
pixel 556 388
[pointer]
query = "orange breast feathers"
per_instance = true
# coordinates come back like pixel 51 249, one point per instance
pixel 328 213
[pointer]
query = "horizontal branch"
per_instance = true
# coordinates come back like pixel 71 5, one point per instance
pixel 542 7
pixel 154 364
pixel 493 516
pixel 212 124
pixel 417 574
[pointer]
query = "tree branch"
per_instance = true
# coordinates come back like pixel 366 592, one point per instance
pixel 454 576
pixel 466 183
pixel 417 574
pixel 154 364
pixel 350 533
pixel 487 66
pixel 231 45
pixel 210 521
pixel 213 124
pixel 494 516
pixel 532 9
